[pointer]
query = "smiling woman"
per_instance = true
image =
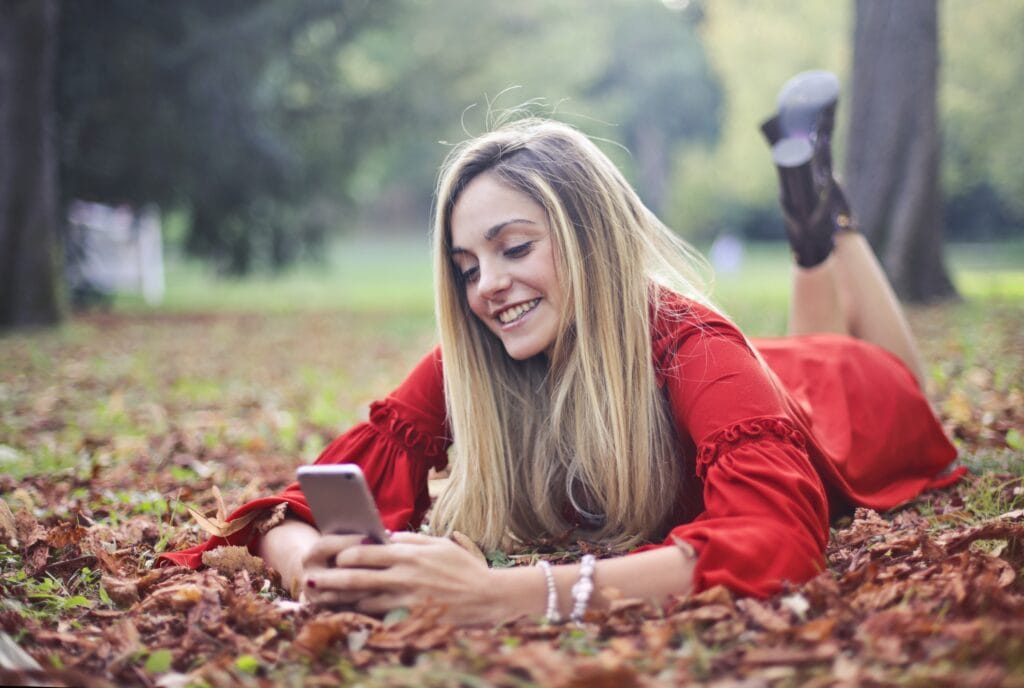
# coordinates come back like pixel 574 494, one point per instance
pixel 589 393
pixel 502 248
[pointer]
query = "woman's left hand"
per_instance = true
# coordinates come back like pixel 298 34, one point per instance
pixel 412 570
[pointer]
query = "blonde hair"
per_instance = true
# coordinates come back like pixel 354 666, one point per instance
pixel 588 427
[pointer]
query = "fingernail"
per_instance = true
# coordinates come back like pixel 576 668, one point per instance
pixel 311 583
pixel 367 541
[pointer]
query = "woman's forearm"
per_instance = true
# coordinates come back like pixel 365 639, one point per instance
pixel 652 575
pixel 283 548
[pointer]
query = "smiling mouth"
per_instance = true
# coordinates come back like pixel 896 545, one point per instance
pixel 510 315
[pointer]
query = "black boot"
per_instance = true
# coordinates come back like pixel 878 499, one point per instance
pixel 813 205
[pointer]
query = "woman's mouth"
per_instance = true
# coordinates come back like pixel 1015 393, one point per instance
pixel 511 315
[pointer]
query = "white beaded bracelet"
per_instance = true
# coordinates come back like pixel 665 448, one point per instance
pixel 552 616
pixel 582 589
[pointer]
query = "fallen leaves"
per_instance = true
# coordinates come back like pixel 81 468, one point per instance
pixel 930 595
pixel 233 558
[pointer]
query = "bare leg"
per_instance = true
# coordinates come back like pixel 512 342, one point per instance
pixel 872 311
pixel 850 294
pixel 815 304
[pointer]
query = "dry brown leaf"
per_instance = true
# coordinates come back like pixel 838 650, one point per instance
pixel 816 630
pixel 123 592
pixel 184 596
pixel 29 530
pixel 219 527
pixel 719 594
pixel 991 530
pixel 8 528
pixel 270 518
pixel 233 558
pixel 63 534
pixel 322 631
pixel 763 616
pixel 595 674
pixel 34 558
pixel 108 562
pixel 222 511
pixel 710 612
pixel 790 655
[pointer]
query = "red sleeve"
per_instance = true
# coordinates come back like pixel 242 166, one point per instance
pixel 405 436
pixel 765 516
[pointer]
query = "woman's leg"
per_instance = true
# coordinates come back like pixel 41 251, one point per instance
pixel 872 311
pixel 838 285
pixel 849 293
pixel 815 304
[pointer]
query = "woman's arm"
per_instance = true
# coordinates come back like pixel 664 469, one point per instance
pixel 417 569
pixel 284 548
pixel 652 576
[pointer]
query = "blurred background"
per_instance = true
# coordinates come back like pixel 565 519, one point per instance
pixel 282 153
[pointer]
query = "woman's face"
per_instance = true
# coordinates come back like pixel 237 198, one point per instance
pixel 501 244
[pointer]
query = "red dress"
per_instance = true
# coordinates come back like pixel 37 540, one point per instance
pixel 773 435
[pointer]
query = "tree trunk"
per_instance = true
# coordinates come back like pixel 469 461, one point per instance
pixel 30 269
pixel 892 162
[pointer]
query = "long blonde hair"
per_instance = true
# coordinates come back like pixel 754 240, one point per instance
pixel 587 428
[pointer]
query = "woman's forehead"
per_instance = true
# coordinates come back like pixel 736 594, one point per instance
pixel 488 206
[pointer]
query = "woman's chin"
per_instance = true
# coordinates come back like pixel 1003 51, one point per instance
pixel 522 351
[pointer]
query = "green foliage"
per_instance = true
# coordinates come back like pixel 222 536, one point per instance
pixel 208 115
pixel 158 662
pixel 248 664
pixel 266 124
pixel 981 104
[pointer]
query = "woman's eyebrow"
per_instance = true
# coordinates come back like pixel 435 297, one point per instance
pixel 494 231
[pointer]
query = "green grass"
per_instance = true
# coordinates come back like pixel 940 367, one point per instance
pixel 394 276
pixel 357 275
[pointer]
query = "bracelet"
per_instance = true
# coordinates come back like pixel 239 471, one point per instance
pixel 582 588
pixel 552 616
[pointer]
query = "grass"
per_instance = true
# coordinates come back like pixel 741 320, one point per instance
pixel 394 276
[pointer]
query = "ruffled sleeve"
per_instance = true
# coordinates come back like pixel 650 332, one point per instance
pixel 765 512
pixel 405 436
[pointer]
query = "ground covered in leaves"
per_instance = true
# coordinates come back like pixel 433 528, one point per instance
pixel 111 429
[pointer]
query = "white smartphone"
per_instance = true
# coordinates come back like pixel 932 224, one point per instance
pixel 341 501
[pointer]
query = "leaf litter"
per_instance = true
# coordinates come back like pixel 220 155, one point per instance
pixel 931 594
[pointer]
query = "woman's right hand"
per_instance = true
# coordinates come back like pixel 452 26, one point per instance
pixel 322 556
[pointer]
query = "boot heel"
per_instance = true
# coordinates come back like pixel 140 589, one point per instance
pixel 807 104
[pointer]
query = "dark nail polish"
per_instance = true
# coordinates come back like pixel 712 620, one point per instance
pixel 311 583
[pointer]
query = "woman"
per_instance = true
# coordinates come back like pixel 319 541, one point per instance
pixel 592 394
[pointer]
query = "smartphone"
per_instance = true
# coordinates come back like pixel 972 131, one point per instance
pixel 340 500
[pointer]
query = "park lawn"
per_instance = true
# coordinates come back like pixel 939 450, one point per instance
pixel 114 425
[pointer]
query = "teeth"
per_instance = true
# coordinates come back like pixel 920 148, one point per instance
pixel 517 312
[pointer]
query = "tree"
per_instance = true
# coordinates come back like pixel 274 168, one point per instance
pixel 229 110
pixel 892 162
pixel 29 263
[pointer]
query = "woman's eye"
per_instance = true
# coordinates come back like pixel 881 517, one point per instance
pixel 520 250
pixel 469 274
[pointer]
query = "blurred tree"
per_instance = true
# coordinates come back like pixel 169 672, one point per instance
pixel 892 162
pixel 29 265
pixel 659 87
pixel 753 47
pixel 222 108
pixel 630 72
pixel 982 106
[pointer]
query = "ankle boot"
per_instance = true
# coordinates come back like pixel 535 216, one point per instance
pixel 812 214
pixel 814 206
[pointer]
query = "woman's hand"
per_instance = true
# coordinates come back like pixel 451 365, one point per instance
pixel 411 570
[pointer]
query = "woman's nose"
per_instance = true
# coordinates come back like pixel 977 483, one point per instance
pixel 493 281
